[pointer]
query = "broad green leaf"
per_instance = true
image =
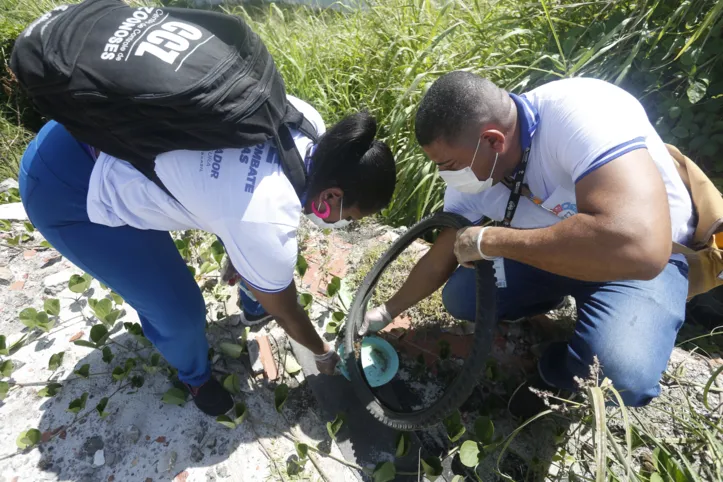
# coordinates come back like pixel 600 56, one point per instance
pixel 43 322
pixel 4 389
pixel 107 354
pixel 112 317
pixel 469 453
pixel 6 368
pixel 332 327
pixel 454 427
pixel 458 478
pixel 85 343
pixel 239 413
pixel 79 284
pixel 100 408
pixel 14 241
pixel 50 390
pixel 28 317
pixel 155 359
pixel 99 334
pixel 116 298
pixel 205 268
pixel 28 438
pixel 696 90
pixel 217 251
pixel 674 112
pixel 305 299
pixel 335 425
pixel 78 404
pixel 338 316
pixel 403 444
pixel 302 450
pixel 137 381
pixel 3 347
pixel 83 371
pixel 55 361
pixel 432 467
pixel 92 302
pixel 18 344
pixel 29 227
pixel 192 270
pixel 384 472
pixel 174 396
pixel 681 132
pixel 119 374
pixel 333 287
pixel 52 307
pixel 656 477
pixel 231 349
pixel 101 308
pixel 226 421
pixel 232 383
pixel 291 366
pixel 281 393
pixel 301 265
pixel 46 244
pixel 484 430
pixel 5 225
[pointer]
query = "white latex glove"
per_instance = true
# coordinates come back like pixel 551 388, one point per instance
pixel 375 319
pixel 327 362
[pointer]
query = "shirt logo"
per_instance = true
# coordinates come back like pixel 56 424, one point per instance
pixel 216 164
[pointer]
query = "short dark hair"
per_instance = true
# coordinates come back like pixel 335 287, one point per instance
pixel 457 102
pixel 349 157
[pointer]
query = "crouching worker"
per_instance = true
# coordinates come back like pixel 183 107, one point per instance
pixel 589 201
pixel 113 222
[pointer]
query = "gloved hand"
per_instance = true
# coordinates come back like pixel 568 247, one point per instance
pixel 327 362
pixel 375 319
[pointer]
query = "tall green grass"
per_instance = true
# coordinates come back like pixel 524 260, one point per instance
pixel 385 54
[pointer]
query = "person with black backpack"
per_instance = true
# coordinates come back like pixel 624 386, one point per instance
pixel 172 119
pixel 112 221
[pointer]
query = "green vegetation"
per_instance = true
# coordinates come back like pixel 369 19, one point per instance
pixel 385 55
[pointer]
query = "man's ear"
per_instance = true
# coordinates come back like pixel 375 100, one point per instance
pixel 495 139
pixel 332 195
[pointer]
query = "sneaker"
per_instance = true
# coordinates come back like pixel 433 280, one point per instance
pixel 211 398
pixel 253 320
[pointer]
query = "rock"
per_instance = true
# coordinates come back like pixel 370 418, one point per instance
pixel 29 254
pixel 8 184
pixel 196 454
pixel 17 286
pixel 254 356
pixel 110 458
pixel 132 434
pixel 13 212
pixel 6 276
pixel 167 461
pixel 388 237
pixel 59 278
pixel 93 445
pixel 222 471
pixel 99 459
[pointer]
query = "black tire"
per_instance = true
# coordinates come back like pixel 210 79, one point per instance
pixel 462 386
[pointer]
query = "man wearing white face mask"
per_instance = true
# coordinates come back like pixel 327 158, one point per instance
pixel 588 202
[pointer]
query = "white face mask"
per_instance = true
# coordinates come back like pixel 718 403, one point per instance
pixel 465 180
pixel 341 223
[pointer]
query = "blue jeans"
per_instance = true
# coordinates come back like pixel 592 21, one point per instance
pixel 630 325
pixel 143 266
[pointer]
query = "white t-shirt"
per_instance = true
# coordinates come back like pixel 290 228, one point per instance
pixel 241 195
pixel 573 127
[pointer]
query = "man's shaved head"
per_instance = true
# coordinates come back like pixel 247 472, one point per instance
pixel 459 103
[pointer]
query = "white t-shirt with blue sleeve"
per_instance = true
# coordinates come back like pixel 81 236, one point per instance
pixel 240 195
pixel 573 127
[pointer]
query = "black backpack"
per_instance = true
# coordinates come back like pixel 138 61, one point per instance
pixel 136 82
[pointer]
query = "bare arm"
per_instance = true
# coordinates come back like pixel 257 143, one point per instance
pixel 285 308
pixel 429 274
pixel 622 229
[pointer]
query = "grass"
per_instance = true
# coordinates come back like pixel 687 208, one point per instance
pixel 384 56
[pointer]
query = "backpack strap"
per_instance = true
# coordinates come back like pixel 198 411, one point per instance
pixel 291 161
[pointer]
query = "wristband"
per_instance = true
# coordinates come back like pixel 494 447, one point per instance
pixel 479 246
